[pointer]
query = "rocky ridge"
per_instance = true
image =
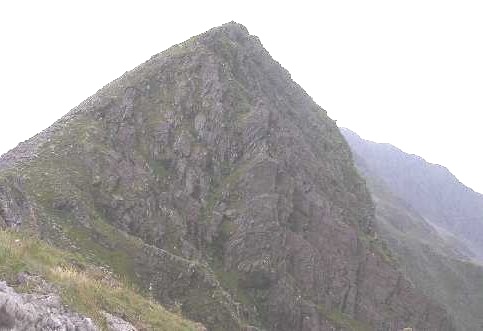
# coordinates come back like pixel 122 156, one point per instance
pixel 430 189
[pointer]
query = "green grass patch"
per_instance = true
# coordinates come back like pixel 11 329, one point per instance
pixel 379 247
pixel 343 321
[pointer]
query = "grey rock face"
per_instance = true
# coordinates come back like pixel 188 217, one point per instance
pixel 38 312
pixel 115 323
pixel 241 189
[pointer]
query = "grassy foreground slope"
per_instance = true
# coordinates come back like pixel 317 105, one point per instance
pixel 83 287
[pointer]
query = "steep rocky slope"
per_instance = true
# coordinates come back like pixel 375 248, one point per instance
pixel 214 182
pixel 429 189
pixel 436 260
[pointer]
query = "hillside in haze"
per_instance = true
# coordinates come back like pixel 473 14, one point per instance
pixel 430 189
pixel 433 254
pixel 207 181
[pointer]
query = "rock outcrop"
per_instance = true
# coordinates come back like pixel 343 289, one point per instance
pixel 42 309
pixel 115 323
pixel 242 192
pixel 38 312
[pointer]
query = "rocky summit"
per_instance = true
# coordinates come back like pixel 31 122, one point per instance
pixel 212 184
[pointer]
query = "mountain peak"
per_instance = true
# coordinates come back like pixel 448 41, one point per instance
pixel 234 31
pixel 239 189
pixel 233 26
pixel 230 28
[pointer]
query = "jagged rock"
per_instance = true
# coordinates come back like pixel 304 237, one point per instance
pixel 42 312
pixel 115 323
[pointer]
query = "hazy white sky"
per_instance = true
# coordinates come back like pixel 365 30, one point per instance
pixel 405 72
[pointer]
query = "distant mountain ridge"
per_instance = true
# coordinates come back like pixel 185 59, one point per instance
pixel 432 190
pixel 434 256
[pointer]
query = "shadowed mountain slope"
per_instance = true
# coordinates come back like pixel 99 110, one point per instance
pixel 214 182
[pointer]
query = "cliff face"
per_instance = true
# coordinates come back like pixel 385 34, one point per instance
pixel 212 180
pixel 436 259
